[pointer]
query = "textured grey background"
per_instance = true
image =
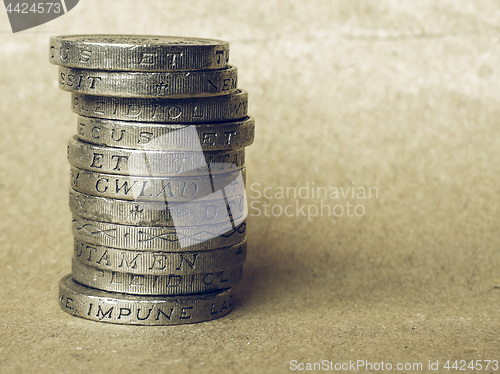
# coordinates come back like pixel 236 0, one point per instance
pixel 400 95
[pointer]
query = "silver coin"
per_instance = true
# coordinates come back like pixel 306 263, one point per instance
pixel 165 189
pixel 152 163
pixel 162 136
pixel 151 238
pixel 138 52
pixel 191 84
pixel 143 213
pixel 159 262
pixel 146 284
pixel 111 307
pixel 195 110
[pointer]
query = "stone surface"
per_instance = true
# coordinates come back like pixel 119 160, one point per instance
pixel 399 96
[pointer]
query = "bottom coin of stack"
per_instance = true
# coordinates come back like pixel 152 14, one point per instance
pixel 111 307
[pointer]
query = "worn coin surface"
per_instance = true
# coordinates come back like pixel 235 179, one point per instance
pixel 195 110
pixel 112 307
pixel 138 52
pixel 149 284
pixel 159 213
pixel 159 262
pixel 149 238
pixel 153 163
pixel 190 84
pixel 162 136
pixel 169 189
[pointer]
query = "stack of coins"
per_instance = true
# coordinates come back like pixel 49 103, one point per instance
pixel 157 177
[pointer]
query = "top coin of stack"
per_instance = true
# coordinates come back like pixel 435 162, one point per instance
pixel 138 52
pixel 157 177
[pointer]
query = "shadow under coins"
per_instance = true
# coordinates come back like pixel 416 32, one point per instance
pixel 269 273
pixel 329 274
